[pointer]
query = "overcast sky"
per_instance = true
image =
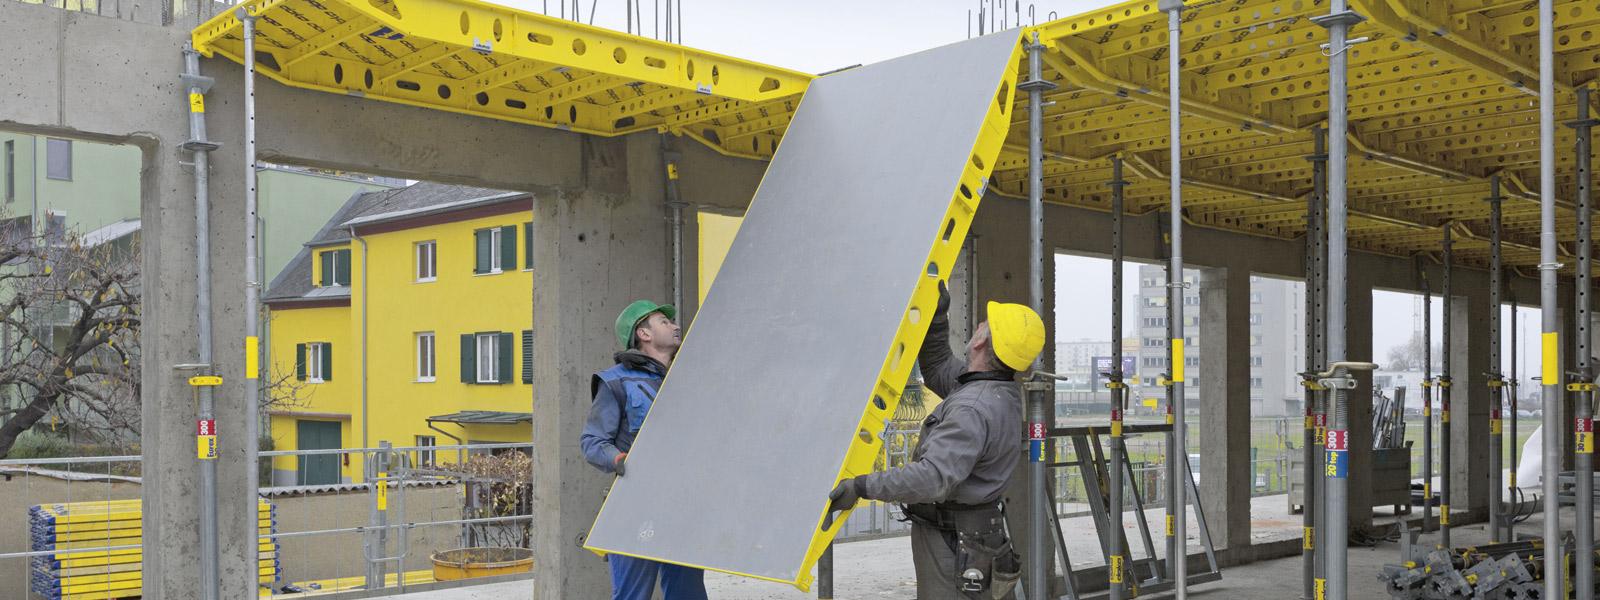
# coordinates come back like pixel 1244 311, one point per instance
pixel 812 36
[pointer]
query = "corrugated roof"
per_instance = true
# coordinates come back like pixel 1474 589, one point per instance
pixel 484 417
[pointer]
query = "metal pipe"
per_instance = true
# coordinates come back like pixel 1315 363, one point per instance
pixel 1037 391
pixel 1496 379
pixel 1114 560
pixel 252 277
pixel 1550 367
pixel 1427 398
pixel 1308 486
pixel 1445 392
pixel 1511 477
pixel 1318 357
pixel 669 162
pixel 825 574
pixel 1338 21
pixel 1178 452
pixel 201 148
pixel 1583 578
pixel 365 427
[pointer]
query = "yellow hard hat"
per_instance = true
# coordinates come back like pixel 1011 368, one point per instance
pixel 1017 334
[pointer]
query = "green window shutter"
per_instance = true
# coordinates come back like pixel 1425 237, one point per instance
pixel 327 361
pixel 527 356
pixel 481 242
pixel 300 362
pixel 508 248
pixel 502 351
pixel 327 268
pixel 527 245
pixel 469 359
pixel 343 270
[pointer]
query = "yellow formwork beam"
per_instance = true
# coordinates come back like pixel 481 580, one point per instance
pixel 1428 111
pixel 479 58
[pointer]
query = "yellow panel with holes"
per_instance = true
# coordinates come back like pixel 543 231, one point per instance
pixel 478 58
pixel 1433 117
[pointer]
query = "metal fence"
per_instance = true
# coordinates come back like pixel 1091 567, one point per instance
pixel 410 503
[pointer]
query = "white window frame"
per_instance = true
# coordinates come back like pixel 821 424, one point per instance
pixel 427 254
pixel 427 357
pixel 426 457
pixel 487 345
pixel 51 147
pixel 314 352
pixel 334 264
pixel 496 262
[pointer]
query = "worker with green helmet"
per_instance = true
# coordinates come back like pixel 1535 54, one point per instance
pixel 622 397
pixel 969 446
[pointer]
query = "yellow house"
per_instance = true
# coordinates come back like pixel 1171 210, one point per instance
pixel 406 319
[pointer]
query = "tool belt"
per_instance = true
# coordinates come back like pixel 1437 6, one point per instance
pixel 986 564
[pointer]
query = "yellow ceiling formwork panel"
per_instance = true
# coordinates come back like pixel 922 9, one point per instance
pixel 1441 99
pixel 478 58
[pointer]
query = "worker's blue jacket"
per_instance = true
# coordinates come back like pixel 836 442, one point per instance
pixel 622 397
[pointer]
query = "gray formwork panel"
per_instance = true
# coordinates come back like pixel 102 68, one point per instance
pixel 748 434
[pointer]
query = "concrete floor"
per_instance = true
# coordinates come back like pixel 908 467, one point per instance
pixel 881 570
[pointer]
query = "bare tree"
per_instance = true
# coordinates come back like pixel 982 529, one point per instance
pixel 1408 356
pixel 71 315
pixel 69 336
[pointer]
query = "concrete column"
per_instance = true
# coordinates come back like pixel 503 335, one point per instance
pixel 1359 345
pixel 1470 409
pixel 1224 350
pixel 600 249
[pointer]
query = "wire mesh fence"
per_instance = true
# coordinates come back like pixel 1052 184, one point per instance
pixel 71 527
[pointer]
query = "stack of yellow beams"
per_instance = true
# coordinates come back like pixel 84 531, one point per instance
pixel 79 568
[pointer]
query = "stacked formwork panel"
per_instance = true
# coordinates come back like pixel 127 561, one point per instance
pixel 83 568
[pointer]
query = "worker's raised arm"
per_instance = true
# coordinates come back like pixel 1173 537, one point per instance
pixel 952 445
pixel 599 439
pixel 939 365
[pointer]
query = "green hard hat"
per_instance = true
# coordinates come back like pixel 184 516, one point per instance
pixel 636 312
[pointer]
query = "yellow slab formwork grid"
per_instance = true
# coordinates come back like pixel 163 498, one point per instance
pixel 479 58
pixel 1441 99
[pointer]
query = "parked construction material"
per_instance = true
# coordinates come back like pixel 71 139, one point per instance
pixel 900 198
pixel 81 565
pixel 1495 571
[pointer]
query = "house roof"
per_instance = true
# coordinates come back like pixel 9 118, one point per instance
pixel 293 284
pixel 111 233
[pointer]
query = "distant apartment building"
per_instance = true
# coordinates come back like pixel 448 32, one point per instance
pixel 1075 360
pixel 1276 340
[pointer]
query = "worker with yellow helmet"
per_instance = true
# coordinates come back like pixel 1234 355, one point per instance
pixel 969 447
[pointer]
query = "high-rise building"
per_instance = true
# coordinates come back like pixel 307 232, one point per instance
pixel 1276 341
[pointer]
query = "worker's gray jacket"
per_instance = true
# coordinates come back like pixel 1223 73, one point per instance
pixel 971 442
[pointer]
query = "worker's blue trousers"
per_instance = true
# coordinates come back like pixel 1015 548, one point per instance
pixel 635 579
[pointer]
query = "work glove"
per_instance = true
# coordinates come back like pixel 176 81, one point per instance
pixel 944 301
pixel 619 464
pixel 842 498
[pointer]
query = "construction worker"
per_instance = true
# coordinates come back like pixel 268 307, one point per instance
pixel 968 448
pixel 622 397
